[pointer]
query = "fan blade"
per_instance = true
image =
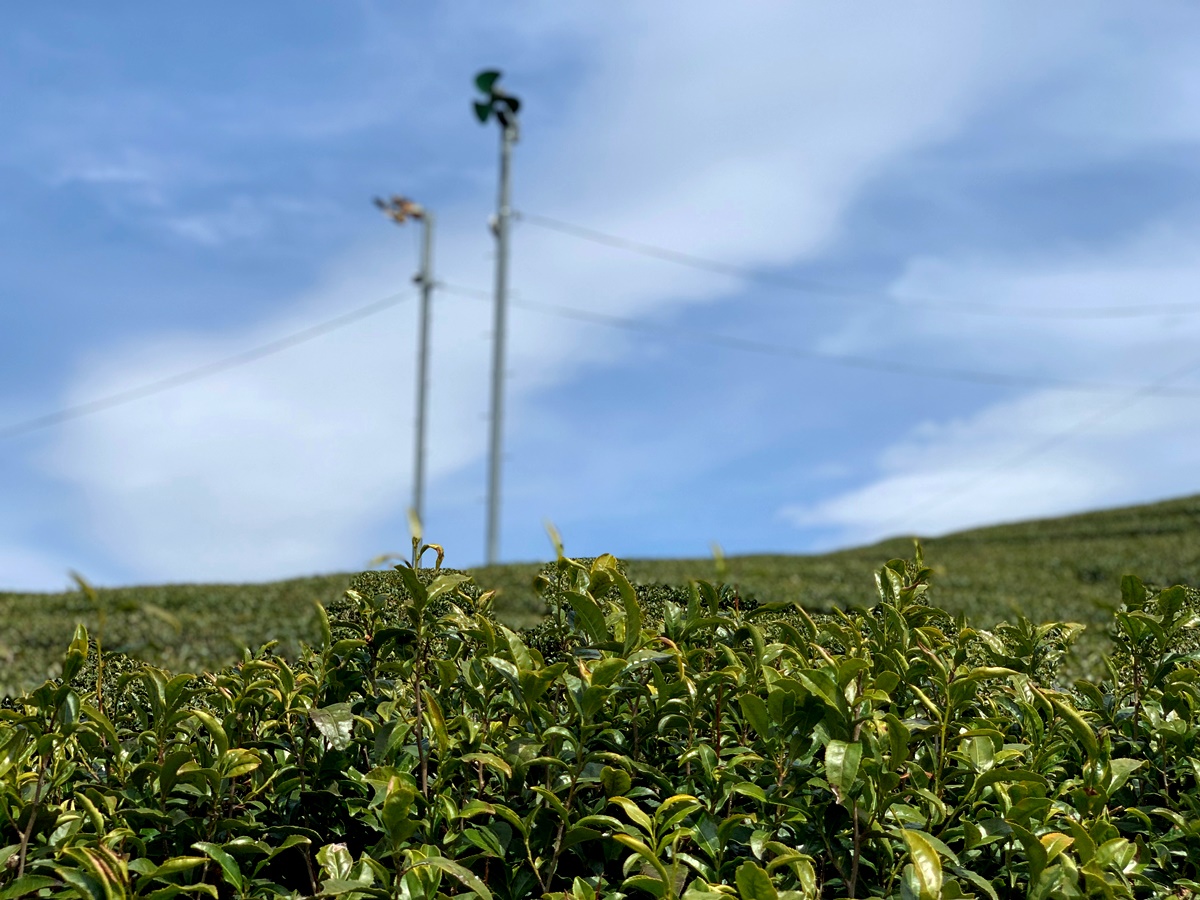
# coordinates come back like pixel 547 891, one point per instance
pixel 486 79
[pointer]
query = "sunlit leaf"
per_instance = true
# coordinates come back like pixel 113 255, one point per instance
pixel 335 723
pixel 926 863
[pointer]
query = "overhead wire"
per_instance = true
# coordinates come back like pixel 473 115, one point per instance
pixel 822 288
pixel 1158 387
pixel 206 370
pixel 751 345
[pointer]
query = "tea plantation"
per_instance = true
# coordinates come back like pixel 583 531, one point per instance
pixel 1067 568
pixel 648 737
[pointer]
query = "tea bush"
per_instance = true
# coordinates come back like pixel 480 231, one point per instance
pixel 1065 568
pixel 687 742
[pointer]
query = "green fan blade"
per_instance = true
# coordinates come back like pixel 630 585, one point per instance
pixel 512 103
pixel 482 111
pixel 484 80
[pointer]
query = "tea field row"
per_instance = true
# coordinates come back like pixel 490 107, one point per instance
pixel 1054 569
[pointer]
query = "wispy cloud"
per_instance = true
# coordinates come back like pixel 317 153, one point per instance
pixel 746 136
pixel 241 218
pixel 978 470
pixel 286 465
pixel 1047 452
pixel 130 169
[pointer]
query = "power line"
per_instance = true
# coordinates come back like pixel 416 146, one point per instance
pixel 200 372
pixel 750 345
pixel 746 345
pixel 1157 387
pixel 807 286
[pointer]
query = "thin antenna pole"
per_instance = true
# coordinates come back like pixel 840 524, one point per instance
pixel 400 210
pixel 508 137
pixel 425 280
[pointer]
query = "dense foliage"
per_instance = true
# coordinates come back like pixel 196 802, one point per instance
pixel 692 744
pixel 180 627
pixel 1068 568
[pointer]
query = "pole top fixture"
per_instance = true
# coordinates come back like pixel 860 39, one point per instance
pixel 400 209
pixel 501 104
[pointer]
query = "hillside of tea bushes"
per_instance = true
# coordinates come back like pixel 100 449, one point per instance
pixel 1065 568
pixel 655 742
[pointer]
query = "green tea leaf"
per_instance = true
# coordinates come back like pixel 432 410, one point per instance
pixel 149 870
pixel 215 728
pixel 633 613
pixel 335 723
pixel 755 712
pixel 589 616
pixel 635 813
pixel 1081 729
pixel 823 685
pixel 323 626
pixel 606 671
pixel 443 584
pixel 1119 771
pixel 229 866
pixel 25 885
pixel 492 761
pixel 841 766
pixel 655 887
pixel 1055 843
pixel 1003 776
pixel 754 883
pixel 980 751
pixel 640 848
pixel 616 782
pixel 926 863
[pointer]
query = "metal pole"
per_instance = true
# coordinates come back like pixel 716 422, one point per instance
pixel 508 137
pixel 425 279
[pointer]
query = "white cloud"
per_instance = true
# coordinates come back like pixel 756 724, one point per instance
pixel 129 169
pixel 240 218
pixel 240 222
pixel 1047 452
pixel 129 174
pixel 738 133
pixel 746 133
pixel 267 469
pixel 980 469
pixel 1042 322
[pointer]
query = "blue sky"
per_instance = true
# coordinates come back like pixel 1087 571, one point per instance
pixel 996 187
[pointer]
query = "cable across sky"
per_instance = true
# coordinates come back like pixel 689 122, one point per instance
pixel 828 289
pixel 1133 395
pixel 203 371
pixel 729 342
pixel 765 348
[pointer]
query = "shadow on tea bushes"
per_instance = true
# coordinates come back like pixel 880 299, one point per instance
pixel 664 741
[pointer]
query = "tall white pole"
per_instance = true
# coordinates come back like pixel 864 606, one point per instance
pixel 425 280
pixel 508 137
pixel 400 210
